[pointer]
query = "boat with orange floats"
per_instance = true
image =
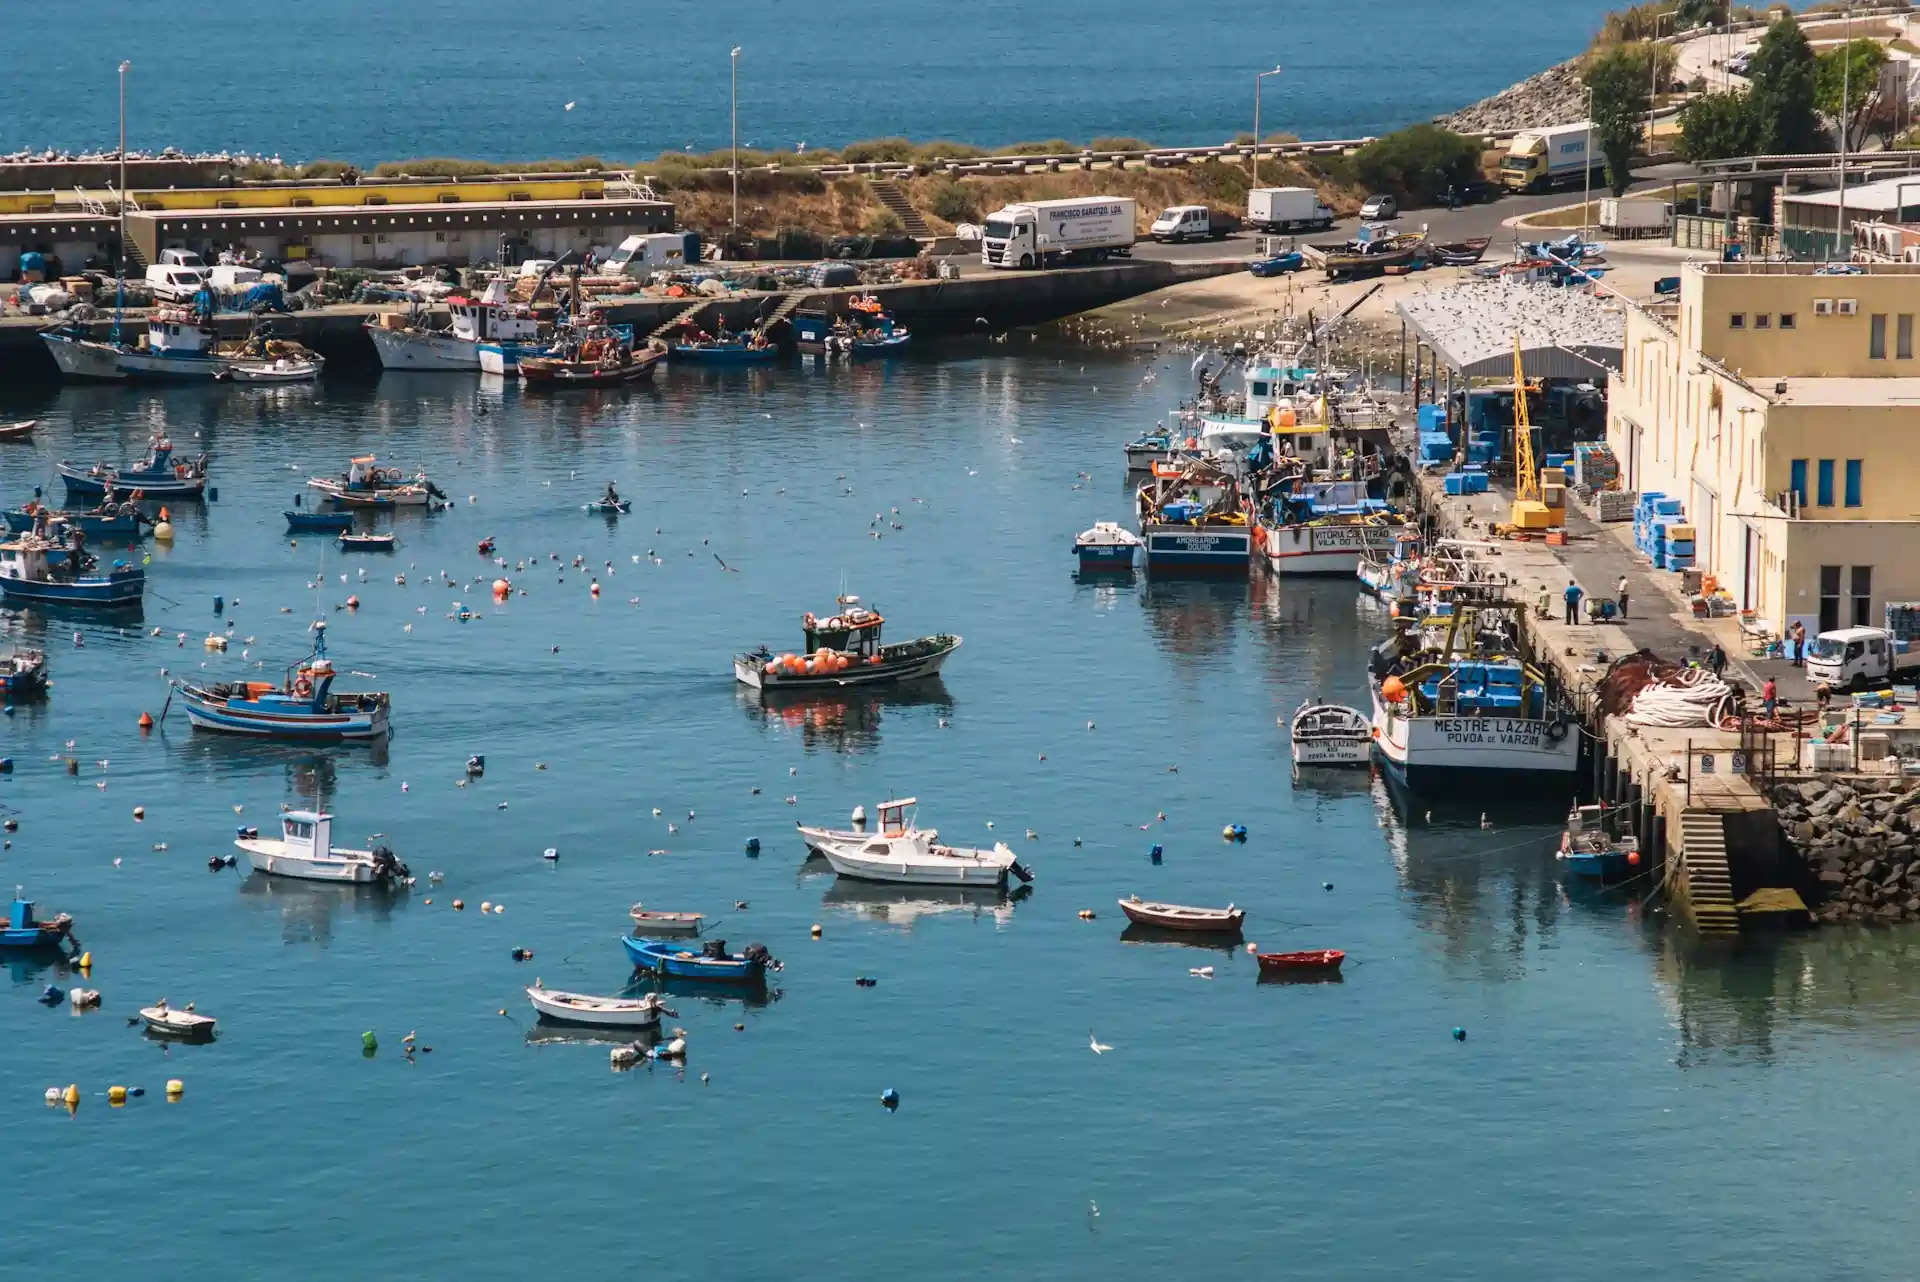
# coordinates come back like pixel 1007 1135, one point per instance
pixel 593 355
pixel 844 650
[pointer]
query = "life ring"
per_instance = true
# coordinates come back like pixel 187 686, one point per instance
pixel 180 470
pixel 1566 843
pixel 302 688
pixel 1556 731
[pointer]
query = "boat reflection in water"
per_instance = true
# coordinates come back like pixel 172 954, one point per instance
pixel 1195 618
pixel 308 909
pixel 844 721
pixel 1301 975
pixel 902 906
pixel 752 994
pixel 544 1034
pixel 1135 933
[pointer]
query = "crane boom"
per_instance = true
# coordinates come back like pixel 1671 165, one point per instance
pixel 1526 480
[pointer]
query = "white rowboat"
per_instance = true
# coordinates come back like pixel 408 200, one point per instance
pixel 168 1022
pixel 583 1008
pixel 1329 734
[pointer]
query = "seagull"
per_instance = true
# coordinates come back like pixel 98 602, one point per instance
pixel 569 106
pixel 1099 1047
pixel 723 565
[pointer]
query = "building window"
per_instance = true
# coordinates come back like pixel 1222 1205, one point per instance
pixel 1762 321
pixel 1788 320
pixel 1797 480
pixel 1823 496
pixel 1829 598
pixel 1853 482
pixel 1861 583
pixel 1737 321
pixel 1903 337
pixel 1877 338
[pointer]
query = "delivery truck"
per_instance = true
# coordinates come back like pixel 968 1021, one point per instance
pixel 1287 209
pixel 1046 233
pixel 1538 159
pixel 1632 218
pixel 1856 658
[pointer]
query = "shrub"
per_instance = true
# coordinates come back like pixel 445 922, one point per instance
pixel 946 151
pixel 1120 144
pixel 1417 163
pixel 450 167
pixel 881 222
pixel 875 150
pixel 952 201
pixel 1052 147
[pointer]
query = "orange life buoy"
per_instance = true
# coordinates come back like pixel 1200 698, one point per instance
pixel 303 688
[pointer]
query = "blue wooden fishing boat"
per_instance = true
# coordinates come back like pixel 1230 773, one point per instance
pixel 109 521
pixel 1588 851
pixel 23 674
pixel 600 507
pixel 888 340
pixel 1278 265
pixel 34 571
pixel 157 476
pixel 710 962
pixel 304 706
pixel 326 522
pixel 702 348
pixel 25 933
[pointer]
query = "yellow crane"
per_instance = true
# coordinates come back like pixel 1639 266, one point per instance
pixel 1530 511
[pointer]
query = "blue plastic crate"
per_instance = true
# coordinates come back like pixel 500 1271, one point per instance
pixel 1455 483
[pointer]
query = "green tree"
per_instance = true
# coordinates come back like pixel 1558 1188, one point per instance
pixel 1853 70
pixel 1716 125
pixel 1782 99
pixel 1618 79
pixel 1418 163
pixel 1700 13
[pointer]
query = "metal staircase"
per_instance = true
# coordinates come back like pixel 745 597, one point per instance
pixel 896 200
pixel 1703 855
pixel 682 317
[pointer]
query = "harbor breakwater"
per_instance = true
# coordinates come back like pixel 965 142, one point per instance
pixel 1859 838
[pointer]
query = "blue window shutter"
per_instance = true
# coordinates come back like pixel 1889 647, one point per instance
pixel 1853 482
pixel 1825 484
pixel 1797 480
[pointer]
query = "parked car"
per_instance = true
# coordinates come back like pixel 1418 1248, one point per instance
pixel 1380 209
pixel 1479 191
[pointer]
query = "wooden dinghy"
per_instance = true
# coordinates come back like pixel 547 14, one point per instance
pixel 1184 917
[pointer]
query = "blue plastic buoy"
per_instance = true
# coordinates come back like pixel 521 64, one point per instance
pixel 1459 1034
pixel 890 1097
pixel 213 494
pixel 6 765
pixel 753 845
pixel 52 996
pixel 37 492
pixel 219 604
pixel 136 1091
pixel 1154 854
pixel 1239 832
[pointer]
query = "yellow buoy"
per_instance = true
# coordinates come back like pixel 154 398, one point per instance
pixel 71 1095
pixel 86 960
pixel 174 1088
pixel 164 531
pixel 116 1094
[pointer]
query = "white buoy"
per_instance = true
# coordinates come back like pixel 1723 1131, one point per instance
pixel 859 818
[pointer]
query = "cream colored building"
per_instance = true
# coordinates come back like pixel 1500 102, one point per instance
pixel 1782 407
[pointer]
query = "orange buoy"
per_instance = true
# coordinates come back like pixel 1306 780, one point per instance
pixel 146 721
pixel 1393 690
pixel 353 603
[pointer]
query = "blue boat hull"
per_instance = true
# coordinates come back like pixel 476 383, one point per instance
pixel 1602 865
pixel 668 962
pixel 1203 549
pixel 118 591
pixel 1105 558
pixel 322 727
pixel 327 521
pixel 881 346
pixel 725 355
pixel 150 487
pixel 94 527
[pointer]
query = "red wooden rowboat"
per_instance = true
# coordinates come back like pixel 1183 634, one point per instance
pixel 18 431
pixel 1206 921
pixel 1320 959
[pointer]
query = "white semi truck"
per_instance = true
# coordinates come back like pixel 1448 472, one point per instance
pixel 1538 159
pixel 1046 233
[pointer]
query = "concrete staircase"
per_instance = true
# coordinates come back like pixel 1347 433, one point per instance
pixel 786 307
pixel 1703 853
pixel 679 318
pixel 893 198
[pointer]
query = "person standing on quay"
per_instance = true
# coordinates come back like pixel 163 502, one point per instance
pixel 1621 592
pixel 1770 696
pixel 1717 660
pixel 1797 652
pixel 1573 595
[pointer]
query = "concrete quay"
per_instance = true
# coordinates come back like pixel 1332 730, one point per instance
pixel 989 302
pixel 1696 798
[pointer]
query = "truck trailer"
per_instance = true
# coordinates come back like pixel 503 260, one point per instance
pixel 1046 233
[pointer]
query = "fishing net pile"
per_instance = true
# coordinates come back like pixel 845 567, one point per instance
pixel 1649 691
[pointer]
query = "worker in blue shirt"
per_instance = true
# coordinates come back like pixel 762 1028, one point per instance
pixel 1573 595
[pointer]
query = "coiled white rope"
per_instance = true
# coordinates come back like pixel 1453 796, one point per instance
pixel 1680 700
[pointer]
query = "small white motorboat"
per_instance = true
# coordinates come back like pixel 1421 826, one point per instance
pixel 607 1012
pixel 1330 734
pixel 284 369
pixel 650 923
pixel 168 1022
pixel 1107 546
pixel 902 853
pixel 304 850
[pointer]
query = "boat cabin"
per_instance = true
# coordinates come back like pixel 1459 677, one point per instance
pixel 493 318
pixel 1482 687
pixel 854 630
pixel 175 331
pixel 25 559
pixel 308 834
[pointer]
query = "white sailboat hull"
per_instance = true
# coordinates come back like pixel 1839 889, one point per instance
pixel 917 870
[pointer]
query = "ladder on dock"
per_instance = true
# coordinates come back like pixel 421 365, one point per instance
pixel 1703 856
pixel 896 200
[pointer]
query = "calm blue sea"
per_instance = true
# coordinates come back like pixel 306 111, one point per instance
pixel 1625 1103
pixel 369 80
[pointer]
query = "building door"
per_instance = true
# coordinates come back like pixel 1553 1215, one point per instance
pixel 1829 598
pixel 1860 590
pixel 1633 456
pixel 1749 568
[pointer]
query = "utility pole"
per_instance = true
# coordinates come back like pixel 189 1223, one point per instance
pixel 122 203
pixel 1653 68
pixel 734 61
pixel 1846 98
pixel 1257 78
pixel 1586 197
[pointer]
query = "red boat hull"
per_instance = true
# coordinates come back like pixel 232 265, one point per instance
pixel 1321 959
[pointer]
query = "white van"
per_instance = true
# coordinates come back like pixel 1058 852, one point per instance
pixel 178 276
pixel 1184 222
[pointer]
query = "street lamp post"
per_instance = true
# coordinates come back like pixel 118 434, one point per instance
pixel 1846 98
pixel 1258 77
pixel 734 61
pixel 122 202
pixel 1653 68
pixel 1586 196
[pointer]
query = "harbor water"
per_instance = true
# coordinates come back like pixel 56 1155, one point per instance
pixel 1617 1090
pixel 364 82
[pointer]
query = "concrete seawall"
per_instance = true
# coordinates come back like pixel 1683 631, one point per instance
pixel 1003 300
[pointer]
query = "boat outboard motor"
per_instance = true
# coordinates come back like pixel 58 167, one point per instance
pixel 385 865
pixel 1383 657
pixel 757 952
pixel 714 948
pixel 1020 870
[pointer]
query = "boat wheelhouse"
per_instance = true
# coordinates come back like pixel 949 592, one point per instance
pixel 844 650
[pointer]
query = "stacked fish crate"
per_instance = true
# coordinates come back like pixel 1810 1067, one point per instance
pixel 1660 531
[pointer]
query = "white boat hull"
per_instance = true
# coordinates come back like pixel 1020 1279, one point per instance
pixel 1335 550
pixel 84 360
pixel 272 858
pixel 1438 749
pixel 137 364
pixel 916 872
pixel 289 372
pixel 1332 752
pixel 406 349
pixel 578 1008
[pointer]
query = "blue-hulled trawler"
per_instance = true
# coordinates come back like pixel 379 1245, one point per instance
pixel 303 707
pixel 157 476
pixel 1191 520
pixel 38 571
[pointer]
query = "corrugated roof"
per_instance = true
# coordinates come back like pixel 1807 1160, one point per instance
pixel 1564 333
